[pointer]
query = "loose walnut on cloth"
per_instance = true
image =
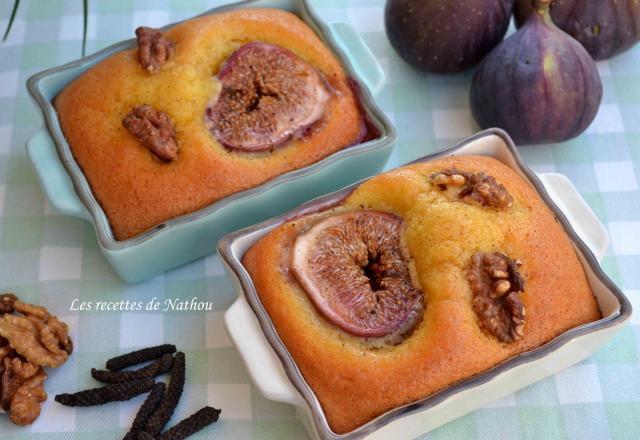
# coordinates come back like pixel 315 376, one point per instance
pixel 25 404
pixel 31 339
pixel 6 302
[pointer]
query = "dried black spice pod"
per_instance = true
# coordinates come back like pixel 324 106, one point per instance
pixel 192 424
pixel 146 410
pixel 145 436
pixel 139 356
pixel 161 366
pixel 161 416
pixel 109 393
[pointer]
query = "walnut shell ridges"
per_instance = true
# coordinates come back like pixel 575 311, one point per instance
pixel 497 286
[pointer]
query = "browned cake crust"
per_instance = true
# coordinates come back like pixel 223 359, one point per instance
pixel 355 383
pixel 138 191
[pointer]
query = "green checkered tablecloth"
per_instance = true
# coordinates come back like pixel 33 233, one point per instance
pixel 52 259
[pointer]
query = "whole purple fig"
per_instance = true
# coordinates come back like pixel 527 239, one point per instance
pixel 540 85
pixel 604 27
pixel 444 36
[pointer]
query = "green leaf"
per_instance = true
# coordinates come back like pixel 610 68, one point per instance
pixel 85 12
pixel 16 3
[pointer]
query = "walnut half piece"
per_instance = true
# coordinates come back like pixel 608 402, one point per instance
pixel 154 50
pixel 25 404
pixel 497 285
pixel 154 129
pixel 475 188
pixel 31 339
pixel 6 302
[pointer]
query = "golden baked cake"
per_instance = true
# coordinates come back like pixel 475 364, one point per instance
pixel 421 277
pixel 211 107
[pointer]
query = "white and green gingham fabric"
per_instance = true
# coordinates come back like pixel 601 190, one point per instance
pixel 52 259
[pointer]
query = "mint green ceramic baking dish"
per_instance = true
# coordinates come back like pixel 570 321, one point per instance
pixel 194 235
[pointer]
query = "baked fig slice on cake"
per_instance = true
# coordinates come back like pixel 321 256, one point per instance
pixel 268 95
pixel 355 269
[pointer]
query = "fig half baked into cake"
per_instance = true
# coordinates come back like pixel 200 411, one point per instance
pixel 211 107
pixel 419 278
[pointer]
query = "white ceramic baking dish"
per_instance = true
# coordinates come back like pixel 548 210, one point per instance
pixel 275 374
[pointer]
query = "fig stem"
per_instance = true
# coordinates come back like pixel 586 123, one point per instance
pixel 542 6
